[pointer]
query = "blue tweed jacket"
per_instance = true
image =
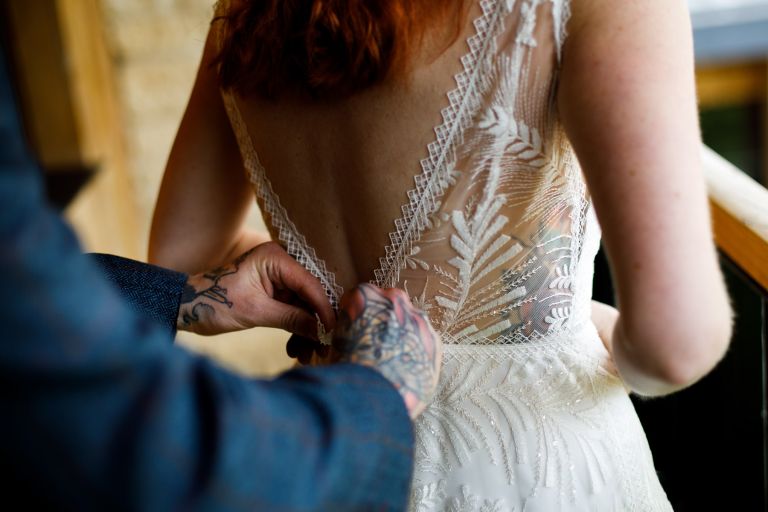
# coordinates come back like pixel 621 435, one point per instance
pixel 99 410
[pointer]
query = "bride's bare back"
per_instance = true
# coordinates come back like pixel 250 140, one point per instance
pixel 343 168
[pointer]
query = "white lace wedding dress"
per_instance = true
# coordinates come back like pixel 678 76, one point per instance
pixel 497 244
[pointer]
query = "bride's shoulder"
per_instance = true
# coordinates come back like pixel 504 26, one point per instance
pixel 588 14
pixel 628 34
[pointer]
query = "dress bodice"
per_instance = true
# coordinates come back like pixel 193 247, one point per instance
pixel 496 242
pixel 497 237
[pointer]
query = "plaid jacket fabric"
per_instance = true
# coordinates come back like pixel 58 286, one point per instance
pixel 100 411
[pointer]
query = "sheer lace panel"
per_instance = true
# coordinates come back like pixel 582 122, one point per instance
pixel 438 170
pixel 497 260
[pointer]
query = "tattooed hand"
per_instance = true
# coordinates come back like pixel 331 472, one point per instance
pixel 381 329
pixel 264 287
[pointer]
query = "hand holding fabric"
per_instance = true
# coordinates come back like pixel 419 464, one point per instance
pixel 264 287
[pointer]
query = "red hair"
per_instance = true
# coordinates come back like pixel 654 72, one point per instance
pixel 326 48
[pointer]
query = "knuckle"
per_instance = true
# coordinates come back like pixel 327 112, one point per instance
pixel 364 289
pixel 290 320
pixel 271 247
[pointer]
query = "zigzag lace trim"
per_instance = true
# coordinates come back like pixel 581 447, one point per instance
pixel 295 243
pixel 435 177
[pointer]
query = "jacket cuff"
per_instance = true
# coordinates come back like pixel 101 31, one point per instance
pixel 153 292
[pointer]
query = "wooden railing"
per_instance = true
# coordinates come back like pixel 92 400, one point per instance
pixel 739 216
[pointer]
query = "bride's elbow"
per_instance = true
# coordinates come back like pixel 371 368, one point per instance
pixel 705 353
pixel 675 360
pixel 686 370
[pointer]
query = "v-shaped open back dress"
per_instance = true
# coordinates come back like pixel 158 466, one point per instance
pixel 496 243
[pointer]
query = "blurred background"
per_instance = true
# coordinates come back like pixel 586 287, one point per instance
pixel 103 85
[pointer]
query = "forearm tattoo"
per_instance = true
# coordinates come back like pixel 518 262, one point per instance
pixel 197 304
pixel 383 330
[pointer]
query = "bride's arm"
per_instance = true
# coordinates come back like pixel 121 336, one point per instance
pixel 199 219
pixel 627 100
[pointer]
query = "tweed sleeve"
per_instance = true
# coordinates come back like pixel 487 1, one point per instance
pixel 101 412
pixel 150 290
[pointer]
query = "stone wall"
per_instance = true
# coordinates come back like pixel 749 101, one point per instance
pixel 155 47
